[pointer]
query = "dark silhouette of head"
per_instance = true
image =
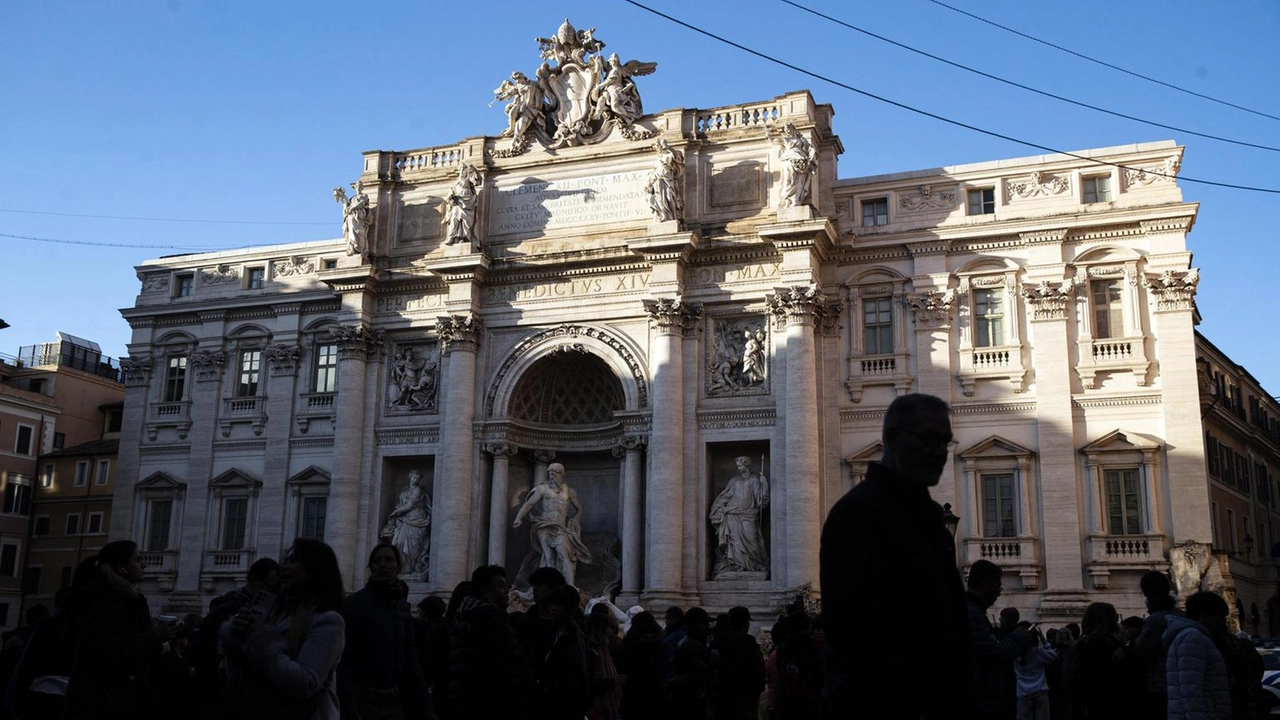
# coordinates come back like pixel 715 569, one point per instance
pixel 916 437
pixel 1156 588
pixel 265 573
pixel 1207 606
pixel 697 623
pixel 1100 619
pixel 543 581
pixel 984 582
pixel 461 592
pixel 319 584
pixel 675 618
pixel 431 608
pixel 739 618
pixel 489 582
pixel 644 625
pixel 1009 618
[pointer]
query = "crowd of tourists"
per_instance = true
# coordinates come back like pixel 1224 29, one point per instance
pixel 900 635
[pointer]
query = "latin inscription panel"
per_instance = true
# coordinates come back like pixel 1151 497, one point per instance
pixel 534 206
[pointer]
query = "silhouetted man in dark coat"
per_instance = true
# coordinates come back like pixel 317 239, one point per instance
pixel 897 629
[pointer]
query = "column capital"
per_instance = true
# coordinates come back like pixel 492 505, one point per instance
pixel 135 371
pixel 803 305
pixel 356 342
pixel 501 449
pixel 207 364
pixel 670 316
pixel 459 332
pixel 629 443
pixel 544 456
pixel 1173 289
pixel 932 308
pixel 283 358
pixel 1048 299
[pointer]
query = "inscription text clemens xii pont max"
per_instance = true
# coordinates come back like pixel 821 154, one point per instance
pixel 535 205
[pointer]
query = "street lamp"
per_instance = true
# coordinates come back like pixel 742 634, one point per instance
pixel 952 521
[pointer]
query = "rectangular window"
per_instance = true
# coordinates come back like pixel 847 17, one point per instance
pixel 250 366
pixel 46 477
pixel 875 212
pixel 95 523
pixel 115 419
pixel 175 379
pixel 158 525
pixel 73 523
pixel 1231 529
pixel 1108 310
pixel 17 495
pixel 1124 502
pixel 41 526
pixel 1097 189
pixel 184 285
pixel 22 441
pixel 82 473
pixel 988 317
pixel 313 512
pixel 64 578
pixel 59 440
pixel 104 472
pixel 877 326
pixel 254 277
pixel 1211 454
pixel 326 368
pixel 234 513
pixel 999 513
pixel 329 264
pixel 9 560
pixel 982 202
pixel 31 581
pixel 1216 526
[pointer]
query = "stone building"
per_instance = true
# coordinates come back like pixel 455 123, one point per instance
pixel 647 300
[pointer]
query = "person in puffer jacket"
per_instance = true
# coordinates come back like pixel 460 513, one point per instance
pixel 1195 671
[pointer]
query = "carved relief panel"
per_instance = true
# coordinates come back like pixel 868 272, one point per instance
pixel 737 355
pixel 413 373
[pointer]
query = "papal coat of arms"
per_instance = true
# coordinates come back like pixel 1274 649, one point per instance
pixel 576 97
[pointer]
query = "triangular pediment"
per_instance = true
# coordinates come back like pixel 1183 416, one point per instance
pixel 235 478
pixel 159 481
pixel 312 475
pixel 994 446
pixel 870 453
pixel 1121 440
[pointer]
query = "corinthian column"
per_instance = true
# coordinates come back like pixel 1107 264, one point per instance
pixel 668 318
pixel 451 506
pixel 800 307
pixel 501 453
pixel 356 346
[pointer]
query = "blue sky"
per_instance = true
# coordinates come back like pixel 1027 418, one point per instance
pixel 255 111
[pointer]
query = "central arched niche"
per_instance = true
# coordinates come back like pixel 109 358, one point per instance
pixel 567 388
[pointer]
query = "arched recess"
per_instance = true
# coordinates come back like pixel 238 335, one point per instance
pixel 613 348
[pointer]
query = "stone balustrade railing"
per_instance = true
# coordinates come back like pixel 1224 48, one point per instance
pixel 428 159
pixel 736 118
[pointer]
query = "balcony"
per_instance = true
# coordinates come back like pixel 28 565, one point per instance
pixel 1112 355
pixel 1010 553
pixel 1108 553
pixel 991 363
pixel 250 410
pixel 169 415
pixel 315 406
pixel 228 562
pixel 869 370
pixel 161 566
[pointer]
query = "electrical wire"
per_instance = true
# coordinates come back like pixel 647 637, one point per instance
pixel 107 244
pixel 1028 88
pixel 1082 56
pixel 941 118
pixel 168 220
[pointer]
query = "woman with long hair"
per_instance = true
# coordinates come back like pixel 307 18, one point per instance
pixel 115 644
pixel 642 663
pixel 1102 653
pixel 282 652
pixel 380 673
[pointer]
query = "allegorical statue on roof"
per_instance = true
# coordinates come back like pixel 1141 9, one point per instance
pixel 356 218
pixel 576 96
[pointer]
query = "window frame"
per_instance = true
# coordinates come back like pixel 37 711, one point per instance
pixel 176 380
pixel 20 503
pixel 1116 482
pixel 303 519
pixel 255 277
pixel 36 523
pixel 102 473
pixel 17 555
pixel 81 477
pixel 184 284
pixel 986 201
pixel 881 368
pixel 998 521
pixel 993 323
pixel 97 516
pixel 249 373
pixel 1119 450
pixel 18 449
pixel 1100 195
pixel 67 527
pixel 323 370
pixel 879 215
pixel 48 475
pixel 311 482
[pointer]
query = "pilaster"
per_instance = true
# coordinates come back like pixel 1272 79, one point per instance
pixel 451 521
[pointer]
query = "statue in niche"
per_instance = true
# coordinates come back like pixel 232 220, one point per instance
pixel 753 357
pixel 665 187
pixel 556 523
pixel 408 527
pixel 460 213
pixel 414 380
pixel 356 218
pixel 617 95
pixel 736 513
pixel 798 157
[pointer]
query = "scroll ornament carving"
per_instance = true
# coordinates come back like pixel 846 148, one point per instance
pixel 294 266
pixel 1174 290
pixel 283 358
pixel 1038 185
pixel 155 283
pixel 798 303
pixel 926 198
pixel 798 158
pixel 576 97
pixel 1165 172
pixel 459 331
pixel 207 364
pixel 357 341
pixel 134 370
pixel 1049 300
pixel 221 275
pixel 932 309
pixel 672 315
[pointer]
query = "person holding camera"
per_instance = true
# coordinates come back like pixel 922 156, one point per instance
pixel 1029 669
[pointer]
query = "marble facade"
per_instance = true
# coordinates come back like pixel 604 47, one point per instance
pixel 768 313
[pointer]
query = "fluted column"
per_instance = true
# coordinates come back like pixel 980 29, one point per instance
pixel 357 344
pixel 800 307
pixel 668 319
pixel 632 534
pixel 451 506
pixel 501 453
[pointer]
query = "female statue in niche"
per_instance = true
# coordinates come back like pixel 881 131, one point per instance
pixel 408 527
pixel 736 512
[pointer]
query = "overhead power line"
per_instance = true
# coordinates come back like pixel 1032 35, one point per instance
pixel 1028 88
pixel 168 220
pixel 935 116
pixel 1096 61
pixel 107 244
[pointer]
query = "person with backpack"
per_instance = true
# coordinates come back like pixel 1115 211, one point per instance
pixel 282 653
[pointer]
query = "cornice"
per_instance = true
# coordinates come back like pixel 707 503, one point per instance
pixel 722 419
pixel 240 445
pixel 1117 400
pixel 320 441
pixel 165 449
